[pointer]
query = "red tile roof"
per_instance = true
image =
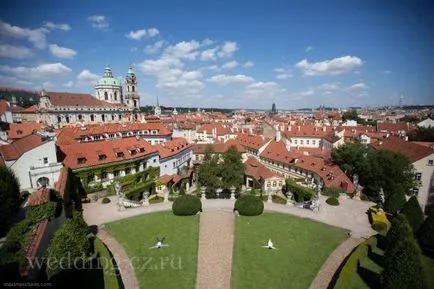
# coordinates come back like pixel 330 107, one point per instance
pixel 91 152
pixel 396 127
pixel 4 106
pixel 252 141
pixel 308 130
pixel 62 181
pixel 77 99
pixel 253 168
pixel 218 147
pixel 34 242
pixel 171 148
pixel 412 151
pixel 40 197
pixel 20 130
pixel 14 150
pixel 220 130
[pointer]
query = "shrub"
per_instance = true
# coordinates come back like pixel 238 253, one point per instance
pixel 363 197
pixel 300 193
pixel 333 192
pixel 395 199
pixel 426 234
pixel 24 195
pixel 85 200
pixel 109 273
pixel 186 205
pixel 380 227
pixel 399 229
pixel 278 200
pixel 9 197
pixel 413 213
pixel 332 201
pixel 40 212
pixel 105 200
pixel 248 205
pixel 156 200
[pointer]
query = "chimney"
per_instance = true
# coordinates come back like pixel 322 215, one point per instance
pixel 298 128
pixel 278 136
pixel 251 130
pixel 289 127
pixel 406 138
pixel 282 127
pixel 324 128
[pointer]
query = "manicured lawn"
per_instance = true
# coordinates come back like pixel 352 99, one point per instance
pixel 303 246
pixel 170 267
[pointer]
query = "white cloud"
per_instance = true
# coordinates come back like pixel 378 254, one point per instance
pixel 206 42
pixel 230 64
pixel 307 92
pixel 309 48
pixel 359 85
pixel 141 33
pixel 283 73
pixel 69 84
pixel 6 80
pixel 213 67
pixel 62 52
pixel 53 26
pixel 227 79
pixel 228 49
pixel 209 54
pixel 43 70
pixel 11 51
pixel 47 84
pixel 261 90
pixel 154 48
pixel 329 67
pixel 386 72
pixel 86 77
pixel 184 49
pixel 34 36
pixel 99 22
pixel 249 64
pixel 328 86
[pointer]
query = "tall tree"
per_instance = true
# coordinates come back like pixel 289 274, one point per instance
pixel 232 169
pixel 9 197
pixel 399 230
pixel 208 171
pixel 395 199
pixel 426 234
pixel 414 213
pixel 350 157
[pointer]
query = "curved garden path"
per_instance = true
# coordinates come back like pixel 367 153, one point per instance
pixel 214 264
pixel 349 215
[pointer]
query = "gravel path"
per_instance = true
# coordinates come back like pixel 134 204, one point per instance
pixel 216 235
pixel 331 265
pixel 128 275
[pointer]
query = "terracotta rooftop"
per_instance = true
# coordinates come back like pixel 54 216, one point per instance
pixel 171 148
pixel 412 151
pixel 14 150
pixel 396 127
pixel 256 170
pixel 20 130
pixel 77 99
pixel 4 105
pixel 252 141
pixel 218 147
pixel 40 197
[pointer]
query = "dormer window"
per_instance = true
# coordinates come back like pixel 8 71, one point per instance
pixel 81 160
pixel 119 154
pixel 102 157
pixel 133 152
pixel 19 132
pixel 141 150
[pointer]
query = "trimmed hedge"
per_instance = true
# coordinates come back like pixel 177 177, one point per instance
pixel 156 200
pixel 105 200
pixel 333 192
pixel 380 227
pixel 248 205
pixel 186 205
pixel 278 200
pixel 300 193
pixel 413 213
pixel 332 201
pixel 41 212
pixel 378 220
pixel 351 264
pixel 105 260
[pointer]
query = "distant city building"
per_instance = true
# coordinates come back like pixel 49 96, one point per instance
pixel 273 108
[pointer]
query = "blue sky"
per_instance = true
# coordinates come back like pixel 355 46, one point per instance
pixel 234 54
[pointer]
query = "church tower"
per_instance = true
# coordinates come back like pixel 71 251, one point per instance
pixel 132 99
pixel 108 88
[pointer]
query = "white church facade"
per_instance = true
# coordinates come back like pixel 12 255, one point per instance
pixel 110 103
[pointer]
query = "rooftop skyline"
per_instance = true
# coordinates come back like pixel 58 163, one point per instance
pixel 221 54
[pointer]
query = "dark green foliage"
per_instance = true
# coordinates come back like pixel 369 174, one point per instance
pixel 69 246
pixel 332 201
pixel 135 184
pixel 232 169
pixel 350 115
pixel 395 199
pixel 96 188
pixel 350 157
pixel 40 212
pixel 9 197
pixel 278 200
pixel 426 234
pixel 422 134
pixel 208 172
pixel 363 197
pixel 110 280
pixel 351 264
pixel 413 213
pixel 248 205
pixel 12 249
pixel 186 205
pixel 399 230
pixel 333 192
pixel 403 266
pixel 300 193
pixel 156 200
pixel 105 200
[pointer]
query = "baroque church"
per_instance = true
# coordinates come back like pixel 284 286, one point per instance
pixel 110 103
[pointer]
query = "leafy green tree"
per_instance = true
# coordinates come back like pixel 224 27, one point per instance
pixel 232 169
pixel 395 199
pixel 350 157
pixel 9 197
pixel 422 134
pixel 403 266
pixel 208 171
pixel 399 230
pixel 350 115
pixel 414 213
pixel 426 234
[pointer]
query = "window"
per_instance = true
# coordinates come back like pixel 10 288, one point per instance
pixel 102 157
pixel 105 95
pixel 301 141
pixel 418 176
pixel 133 88
pixel 137 169
pixel 103 175
pixel 127 171
pixel 116 95
pixel 295 141
pixel 314 142
pixel 45 161
pixel 116 174
pixel 307 142
pixel 155 160
pixel 431 162
pixel 81 160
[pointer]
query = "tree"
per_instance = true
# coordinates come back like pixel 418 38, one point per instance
pixel 426 234
pixel 414 213
pixel 350 157
pixel 208 171
pixel 9 197
pixel 350 115
pixel 395 199
pixel 422 134
pixel 403 268
pixel 399 230
pixel 232 169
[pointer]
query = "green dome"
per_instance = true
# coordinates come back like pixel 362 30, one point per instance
pixel 108 78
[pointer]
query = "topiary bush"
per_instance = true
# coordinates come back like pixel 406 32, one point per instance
pixel 105 200
pixel 413 213
pixel 332 201
pixel 248 205
pixel 186 205
pixel 426 234
pixel 333 192
pixel 380 227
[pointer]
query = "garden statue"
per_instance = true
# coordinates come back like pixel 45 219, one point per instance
pixel 232 193
pixel 203 189
pixel 270 198
pixel 166 195
pixel 145 198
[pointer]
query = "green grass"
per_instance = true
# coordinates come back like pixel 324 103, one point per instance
pixel 153 267
pixel 303 246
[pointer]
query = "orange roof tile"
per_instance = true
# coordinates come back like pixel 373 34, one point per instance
pixel 256 170
pixel 40 197
pixel 412 151
pixel 14 150
pixel 171 148
pixel 77 99
pixel 20 130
